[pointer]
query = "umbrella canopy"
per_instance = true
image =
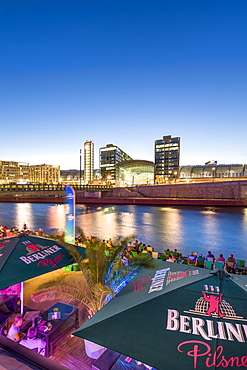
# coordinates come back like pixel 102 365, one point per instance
pixel 175 316
pixel 25 256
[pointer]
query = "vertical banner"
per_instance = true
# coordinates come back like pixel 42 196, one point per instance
pixel 70 215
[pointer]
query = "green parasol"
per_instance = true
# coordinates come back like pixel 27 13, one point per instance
pixel 176 317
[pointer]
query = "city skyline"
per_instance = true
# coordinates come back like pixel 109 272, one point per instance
pixel 126 73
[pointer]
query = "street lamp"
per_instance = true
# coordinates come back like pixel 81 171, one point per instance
pixel 213 173
pixel 80 169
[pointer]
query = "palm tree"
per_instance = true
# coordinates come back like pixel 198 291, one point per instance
pixel 94 282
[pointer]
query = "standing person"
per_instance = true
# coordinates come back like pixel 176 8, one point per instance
pixel 14 331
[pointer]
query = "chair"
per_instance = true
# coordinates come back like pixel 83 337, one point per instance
pixel 240 265
pixel 220 265
pixel 134 254
pixel 163 257
pixel 155 255
pixel 191 260
pixel 230 266
pixel 200 261
pixel 208 264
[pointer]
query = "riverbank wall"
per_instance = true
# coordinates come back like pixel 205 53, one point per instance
pixel 227 193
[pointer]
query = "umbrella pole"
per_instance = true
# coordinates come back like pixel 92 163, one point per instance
pixel 22 297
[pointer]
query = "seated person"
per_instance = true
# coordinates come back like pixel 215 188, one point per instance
pixel 231 258
pixel 210 255
pixel 230 264
pixel 171 258
pixel 32 342
pixel 221 258
pixel 14 331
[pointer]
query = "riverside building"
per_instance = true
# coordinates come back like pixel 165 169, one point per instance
pixel 88 162
pixel 213 171
pixel 167 157
pixel 110 155
pixel 13 172
pixel 44 173
pixel 134 172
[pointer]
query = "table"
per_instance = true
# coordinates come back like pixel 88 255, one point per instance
pixel 68 320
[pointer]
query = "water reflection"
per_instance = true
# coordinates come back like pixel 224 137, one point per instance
pixel 56 217
pixel 210 231
pixel 23 214
pixel 195 229
pixel 171 227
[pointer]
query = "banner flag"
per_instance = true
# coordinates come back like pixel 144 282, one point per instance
pixel 70 215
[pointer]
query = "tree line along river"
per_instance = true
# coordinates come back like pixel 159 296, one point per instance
pixel 188 229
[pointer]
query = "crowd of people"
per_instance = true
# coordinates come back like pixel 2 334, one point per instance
pixel 6 232
pixel 229 264
pixel 134 249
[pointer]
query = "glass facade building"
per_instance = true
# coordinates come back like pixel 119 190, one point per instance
pixel 88 161
pixel 167 156
pixel 134 172
pixel 110 155
pixel 213 171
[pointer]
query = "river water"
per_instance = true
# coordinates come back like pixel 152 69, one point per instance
pixel 197 229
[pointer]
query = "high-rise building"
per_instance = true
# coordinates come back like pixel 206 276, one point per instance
pixel 109 156
pixel 167 156
pixel 13 171
pixel 88 161
pixel 44 173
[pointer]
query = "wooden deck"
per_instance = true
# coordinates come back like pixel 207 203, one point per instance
pixel 69 351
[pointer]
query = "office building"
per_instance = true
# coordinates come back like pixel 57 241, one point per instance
pixel 44 173
pixel 109 157
pixel 88 162
pixel 167 155
pixel 13 172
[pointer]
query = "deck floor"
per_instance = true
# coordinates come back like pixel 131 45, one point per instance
pixel 69 351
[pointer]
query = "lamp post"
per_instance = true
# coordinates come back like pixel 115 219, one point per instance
pixel 80 169
pixel 213 169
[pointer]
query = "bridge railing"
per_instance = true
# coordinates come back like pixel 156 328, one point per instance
pixel 50 187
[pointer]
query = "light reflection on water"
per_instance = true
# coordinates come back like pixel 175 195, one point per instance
pixel 198 229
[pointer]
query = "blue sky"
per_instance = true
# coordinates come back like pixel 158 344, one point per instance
pixel 125 72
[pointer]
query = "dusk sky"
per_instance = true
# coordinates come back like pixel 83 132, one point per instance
pixel 125 72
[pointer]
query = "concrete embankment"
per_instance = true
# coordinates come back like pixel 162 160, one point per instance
pixel 130 201
pixel 227 193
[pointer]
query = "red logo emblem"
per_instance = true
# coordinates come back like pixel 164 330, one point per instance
pixel 139 284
